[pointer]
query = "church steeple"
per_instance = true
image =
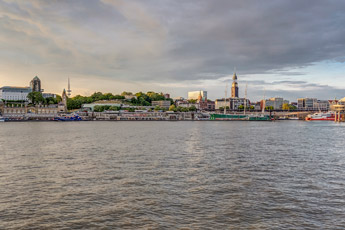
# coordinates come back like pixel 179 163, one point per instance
pixel 234 87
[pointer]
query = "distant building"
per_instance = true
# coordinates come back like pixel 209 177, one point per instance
pixel 11 111
pixel 35 85
pixel 211 106
pixel 234 86
pixel 186 104
pixel 306 103
pixel 129 97
pixel 162 104
pixel 313 104
pixel 9 93
pixel 276 102
pixel 46 95
pixel 178 98
pixel 195 95
pixel 322 105
pixel 232 103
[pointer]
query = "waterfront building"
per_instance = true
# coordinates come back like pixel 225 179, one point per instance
pixel 232 103
pixel 276 102
pixel 35 85
pixel 211 106
pixel 194 95
pixel 257 106
pixel 162 104
pixel 234 86
pixel 10 93
pixel 306 103
pixel 23 111
pixel 312 104
pixel 186 104
pixel 322 105
pixel 341 101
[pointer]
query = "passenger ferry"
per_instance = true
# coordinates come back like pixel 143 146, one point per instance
pixel 321 116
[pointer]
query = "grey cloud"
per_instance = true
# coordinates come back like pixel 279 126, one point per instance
pixel 169 41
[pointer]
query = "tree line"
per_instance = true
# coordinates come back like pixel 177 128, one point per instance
pixel 137 99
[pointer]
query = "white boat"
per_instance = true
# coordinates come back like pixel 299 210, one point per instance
pixel 321 116
pixel 2 119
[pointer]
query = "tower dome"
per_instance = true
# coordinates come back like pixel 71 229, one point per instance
pixel 234 77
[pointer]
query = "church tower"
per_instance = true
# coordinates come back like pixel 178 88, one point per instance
pixel 62 107
pixel 234 87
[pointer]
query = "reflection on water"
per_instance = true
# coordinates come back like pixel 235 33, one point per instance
pixel 172 175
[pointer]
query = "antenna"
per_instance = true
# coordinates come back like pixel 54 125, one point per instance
pixel 69 91
pixel 226 95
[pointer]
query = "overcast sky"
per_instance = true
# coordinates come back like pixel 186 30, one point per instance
pixel 290 48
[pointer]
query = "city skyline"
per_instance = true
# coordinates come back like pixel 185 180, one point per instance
pixel 291 49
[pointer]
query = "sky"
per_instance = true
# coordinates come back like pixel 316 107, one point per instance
pixel 279 48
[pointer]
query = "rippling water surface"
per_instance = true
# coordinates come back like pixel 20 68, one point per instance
pixel 172 175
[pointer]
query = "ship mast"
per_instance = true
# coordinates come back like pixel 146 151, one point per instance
pixel 264 102
pixel 245 99
pixel 226 95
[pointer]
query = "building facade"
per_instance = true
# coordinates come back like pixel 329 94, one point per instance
pixel 35 85
pixel 232 103
pixel 9 93
pixel 162 104
pixel 195 95
pixel 312 104
pixel 276 102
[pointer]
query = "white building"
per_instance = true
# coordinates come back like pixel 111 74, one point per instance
pixel 276 102
pixel 232 103
pixel 9 93
pixel 194 95
pixel 162 104
pixel 312 104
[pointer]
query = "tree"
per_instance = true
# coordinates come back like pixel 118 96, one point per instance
pixel 124 93
pixel 58 98
pixel 286 106
pixel 269 108
pixel 192 108
pixel 172 108
pixel 35 97
pixel 157 108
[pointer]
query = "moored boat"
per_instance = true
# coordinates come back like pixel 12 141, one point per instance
pixel 68 118
pixel 321 116
pixel 240 117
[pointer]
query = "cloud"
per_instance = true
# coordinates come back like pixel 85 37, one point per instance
pixel 172 42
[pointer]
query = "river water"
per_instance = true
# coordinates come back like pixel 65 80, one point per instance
pixel 172 175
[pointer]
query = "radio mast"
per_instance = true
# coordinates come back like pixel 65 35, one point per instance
pixel 69 91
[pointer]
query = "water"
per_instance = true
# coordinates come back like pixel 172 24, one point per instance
pixel 172 175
